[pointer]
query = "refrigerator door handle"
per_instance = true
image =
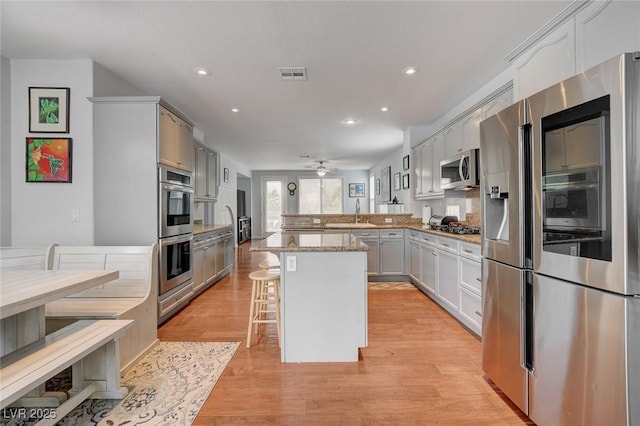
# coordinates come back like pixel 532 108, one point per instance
pixel 527 313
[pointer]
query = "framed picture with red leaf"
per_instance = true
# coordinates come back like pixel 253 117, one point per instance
pixel 48 160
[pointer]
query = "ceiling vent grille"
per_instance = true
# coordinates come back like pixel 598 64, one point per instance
pixel 293 73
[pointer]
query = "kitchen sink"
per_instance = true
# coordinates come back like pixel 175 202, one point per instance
pixel 349 225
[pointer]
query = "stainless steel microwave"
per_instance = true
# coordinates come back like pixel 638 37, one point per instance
pixel 460 171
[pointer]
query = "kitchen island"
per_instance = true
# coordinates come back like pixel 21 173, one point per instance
pixel 323 295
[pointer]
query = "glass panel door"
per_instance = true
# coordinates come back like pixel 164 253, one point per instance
pixel 273 204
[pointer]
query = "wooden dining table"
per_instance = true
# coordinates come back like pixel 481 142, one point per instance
pixel 24 293
pixel 23 296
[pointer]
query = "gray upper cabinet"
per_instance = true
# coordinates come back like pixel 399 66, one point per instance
pixel 427 157
pixel 462 135
pixel 175 141
pixel 206 173
pixel 496 105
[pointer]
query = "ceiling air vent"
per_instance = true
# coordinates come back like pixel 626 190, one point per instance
pixel 293 73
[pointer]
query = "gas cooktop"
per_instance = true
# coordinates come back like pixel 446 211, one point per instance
pixel 457 228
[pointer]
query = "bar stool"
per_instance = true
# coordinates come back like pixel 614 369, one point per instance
pixel 265 264
pixel 265 291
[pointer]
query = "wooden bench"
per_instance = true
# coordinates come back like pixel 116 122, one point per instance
pixel 133 296
pixel 25 258
pixel 89 346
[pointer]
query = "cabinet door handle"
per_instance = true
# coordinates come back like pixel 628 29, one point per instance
pixel 479 280
pixel 434 254
pixel 478 313
pixel 468 251
pixel 446 245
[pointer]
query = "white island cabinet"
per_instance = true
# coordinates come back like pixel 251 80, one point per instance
pixel 323 295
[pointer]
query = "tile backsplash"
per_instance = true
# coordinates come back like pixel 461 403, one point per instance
pixel 464 205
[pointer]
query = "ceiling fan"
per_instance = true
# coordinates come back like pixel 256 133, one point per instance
pixel 321 169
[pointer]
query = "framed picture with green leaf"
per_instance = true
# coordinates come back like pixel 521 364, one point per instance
pixel 49 109
pixel 48 160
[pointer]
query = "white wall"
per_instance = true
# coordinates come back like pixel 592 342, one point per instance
pixel 405 196
pixel 41 212
pixel 5 152
pixel 106 83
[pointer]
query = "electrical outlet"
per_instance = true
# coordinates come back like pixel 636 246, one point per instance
pixel 453 211
pixel 291 263
pixel 316 221
pixel 388 220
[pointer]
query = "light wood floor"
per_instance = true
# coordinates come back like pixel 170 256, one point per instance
pixel 421 366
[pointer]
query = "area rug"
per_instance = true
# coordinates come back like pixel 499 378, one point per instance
pixel 391 285
pixel 167 387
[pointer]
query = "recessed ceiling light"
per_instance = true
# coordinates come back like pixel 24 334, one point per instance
pixel 350 121
pixel 410 70
pixel 384 109
pixel 201 71
pixel 235 110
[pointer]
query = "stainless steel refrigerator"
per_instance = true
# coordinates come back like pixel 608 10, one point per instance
pixel 561 265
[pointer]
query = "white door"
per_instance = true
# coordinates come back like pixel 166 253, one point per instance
pixel 273 203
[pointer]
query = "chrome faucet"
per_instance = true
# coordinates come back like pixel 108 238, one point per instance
pixel 357 209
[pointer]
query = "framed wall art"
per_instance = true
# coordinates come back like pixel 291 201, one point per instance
pixel 405 181
pixel 48 160
pixel 385 184
pixel 405 162
pixel 396 181
pixel 49 109
pixel 356 190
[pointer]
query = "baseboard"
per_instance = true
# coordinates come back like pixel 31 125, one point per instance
pixel 386 278
pixel 133 362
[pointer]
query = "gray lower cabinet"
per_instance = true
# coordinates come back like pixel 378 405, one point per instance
pixel 371 238
pixel 449 271
pixel 212 257
pixel 470 286
pixel 391 252
pixel 448 278
pixel 198 258
pixel 429 262
pixel 415 267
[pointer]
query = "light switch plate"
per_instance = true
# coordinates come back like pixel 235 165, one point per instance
pixel 316 221
pixel 388 220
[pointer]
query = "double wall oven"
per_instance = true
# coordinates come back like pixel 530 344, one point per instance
pixel 175 195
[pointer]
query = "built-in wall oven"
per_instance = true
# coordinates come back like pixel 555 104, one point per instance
pixel 176 202
pixel 175 261
pixel 175 229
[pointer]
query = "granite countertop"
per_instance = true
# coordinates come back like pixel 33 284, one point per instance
pixel 310 242
pixel 201 229
pixel 470 238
